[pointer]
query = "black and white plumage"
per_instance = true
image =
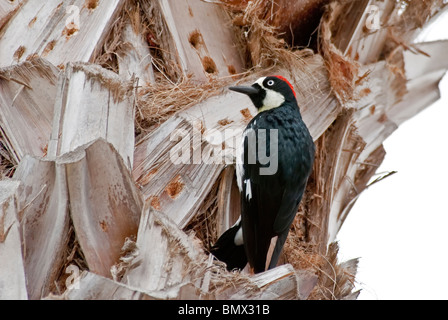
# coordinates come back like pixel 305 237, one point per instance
pixel 230 249
pixel 277 156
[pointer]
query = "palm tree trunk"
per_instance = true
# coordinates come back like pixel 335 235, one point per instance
pixel 118 137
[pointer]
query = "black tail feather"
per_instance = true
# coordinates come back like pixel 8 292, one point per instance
pixel 278 249
pixel 227 251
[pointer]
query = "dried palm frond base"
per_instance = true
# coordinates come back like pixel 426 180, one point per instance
pixel 107 56
pixel 157 102
pixel 260 41
pixel 7 164
pixel 204 224
pixel 336 280
pixel 342 71
pixel 74 264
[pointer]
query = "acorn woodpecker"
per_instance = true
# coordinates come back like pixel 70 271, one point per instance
pixel 276 159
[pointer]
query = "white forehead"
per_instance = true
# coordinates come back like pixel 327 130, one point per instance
pixel 260 81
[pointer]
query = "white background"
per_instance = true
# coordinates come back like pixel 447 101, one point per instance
pixel 399 227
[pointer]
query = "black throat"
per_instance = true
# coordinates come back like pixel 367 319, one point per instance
pixel 257 99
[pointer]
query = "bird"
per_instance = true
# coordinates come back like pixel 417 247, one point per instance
pixel 273 165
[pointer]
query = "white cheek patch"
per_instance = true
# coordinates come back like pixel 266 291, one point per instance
pixel 272 100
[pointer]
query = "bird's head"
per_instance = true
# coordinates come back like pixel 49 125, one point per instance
pixel 268 92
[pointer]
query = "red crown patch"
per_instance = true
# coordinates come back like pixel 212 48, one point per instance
pixel 289 83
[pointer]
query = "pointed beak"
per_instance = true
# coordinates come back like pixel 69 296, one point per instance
pixel 246 90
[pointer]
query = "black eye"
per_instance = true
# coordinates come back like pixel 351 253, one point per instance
pixel 270 83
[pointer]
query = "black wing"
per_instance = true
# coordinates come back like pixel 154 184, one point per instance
pixel 227 251
pixel 270 202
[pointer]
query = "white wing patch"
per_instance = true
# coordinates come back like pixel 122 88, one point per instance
pixel 248 189
pixel 237 221
pixel 238 240
pixel 239 173
pixel 240 160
